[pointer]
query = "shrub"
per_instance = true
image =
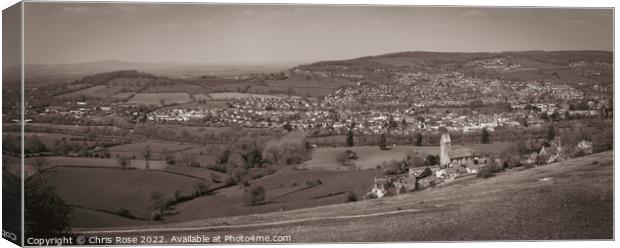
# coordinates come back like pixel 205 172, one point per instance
pixel 253 196
pixel 123 212
pixel 156 215
pixel 351 197
pixel 485 172
pixel 200 188
pixel 425 173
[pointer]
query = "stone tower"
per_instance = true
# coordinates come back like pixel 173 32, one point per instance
pixel 444 147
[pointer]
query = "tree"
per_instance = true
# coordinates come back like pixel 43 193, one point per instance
pixel 124 161
pixel 431 160
pixel 34 145
pixel 11 199
pixel 550 133
pixel 147 152
pixel 39 164
pixel 11 143
pixel 383 141
pixel 158 204
pixel 288 127
pixel 201 187
pixel 46 214
pixel 351 197
pixel 254 196
pixel 418 139
pixel 350 138
pixel 168 156
pixel 485 136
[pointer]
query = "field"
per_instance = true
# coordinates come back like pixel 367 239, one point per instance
pixel 234 95
pixel 156 98
pixel 285 190
pixel 135 150
pixel 112 189
pixel 173 87
pixel 369 157
pixel 565 200
pixel 88 92
pixel 90 162
pixel 50 139
pixel 199 97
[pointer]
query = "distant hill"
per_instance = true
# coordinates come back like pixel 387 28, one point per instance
pixel 566 67
pixel 419 60
pixel 63 72
pixel 579 69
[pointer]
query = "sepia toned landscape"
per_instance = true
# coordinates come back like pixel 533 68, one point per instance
pixel 395 146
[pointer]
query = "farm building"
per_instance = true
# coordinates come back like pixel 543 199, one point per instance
pixel 585 146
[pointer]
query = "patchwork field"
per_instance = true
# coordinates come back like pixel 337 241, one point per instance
pixel 136 150
pixel 234 95
pixel 565 200
pixel 88 92
pixel 368 156
pixel 324 158
pixel 89 162
pixel 88 218
pixel 285 190
pixel 112 189
pixel 157 98
pixel 50 139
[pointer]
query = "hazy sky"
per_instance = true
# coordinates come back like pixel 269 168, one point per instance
pixel 202 33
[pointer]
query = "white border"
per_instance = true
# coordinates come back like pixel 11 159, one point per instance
pixel 520 3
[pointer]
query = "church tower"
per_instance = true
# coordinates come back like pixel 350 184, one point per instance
pixel 444 147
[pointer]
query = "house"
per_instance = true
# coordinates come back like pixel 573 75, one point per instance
pixel 461 157
pixel 407 184
pixel 553 152
pixel 585 146
pixel 531 159
pixel 429 181
pixel 472 169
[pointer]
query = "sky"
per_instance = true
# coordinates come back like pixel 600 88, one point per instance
pixel 57 33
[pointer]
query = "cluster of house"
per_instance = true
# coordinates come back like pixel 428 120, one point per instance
pixel 455 163
pixel 78 109
pixel 498 64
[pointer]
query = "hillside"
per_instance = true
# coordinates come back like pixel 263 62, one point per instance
pixel 576 68
pixel 565 200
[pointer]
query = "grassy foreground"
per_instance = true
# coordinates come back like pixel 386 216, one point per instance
pixel 573 201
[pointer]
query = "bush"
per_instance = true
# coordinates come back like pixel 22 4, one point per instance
pixel 351 197
pixel 253 196
pixel 425 173
pixel 200 188
pixel 485 172
pixel 123 212
pixel 156 215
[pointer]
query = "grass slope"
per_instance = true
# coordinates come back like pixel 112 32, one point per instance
pixel 577 203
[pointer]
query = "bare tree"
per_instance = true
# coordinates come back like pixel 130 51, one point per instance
pixel 147 155
pixel 124 161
